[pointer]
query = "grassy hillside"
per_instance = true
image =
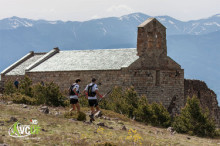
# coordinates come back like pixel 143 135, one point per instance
pixel 57 130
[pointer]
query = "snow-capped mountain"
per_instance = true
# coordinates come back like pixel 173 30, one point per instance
pixel 174 26
pixel 193 44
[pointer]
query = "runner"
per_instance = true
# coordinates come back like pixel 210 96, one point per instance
pixel 74 95
pixel 91 91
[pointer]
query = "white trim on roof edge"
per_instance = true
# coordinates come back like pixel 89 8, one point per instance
pixel 30 54
pixel 42 59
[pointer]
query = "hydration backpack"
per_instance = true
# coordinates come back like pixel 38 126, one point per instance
pixel 71 92
pixel 90 92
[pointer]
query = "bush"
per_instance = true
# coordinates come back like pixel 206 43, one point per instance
pixel 9 88
pixel 39 93
pixel 144 112
pixel 48 94
pixel 130 104
pixel 25 86
pixel 19 98
pixel 81 116
pixel 160 115
pixel 117 102
pixel 193 120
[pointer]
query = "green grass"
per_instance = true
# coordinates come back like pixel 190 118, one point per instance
pixel 59 130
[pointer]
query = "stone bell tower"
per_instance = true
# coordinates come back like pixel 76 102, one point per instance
pixel 151 40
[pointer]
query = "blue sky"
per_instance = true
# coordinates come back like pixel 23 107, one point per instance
pixel 82 10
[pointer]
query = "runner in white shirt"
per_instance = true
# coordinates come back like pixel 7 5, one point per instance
pixel 91 91
pixel 74 94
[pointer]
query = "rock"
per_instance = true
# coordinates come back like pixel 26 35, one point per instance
pixel 119 122
pixel 25 106
pixel 9 102
pixel 44 109
pixel 88 123
pixel 171 130
pixel 98 114
pixel 101 124
pixel 106 118
pixel 116 119
pixel 13 119
pixel 2 123
pixel 124 128
pixel 73 120
pixel 43 130
pixel 57 113
pixel 3 145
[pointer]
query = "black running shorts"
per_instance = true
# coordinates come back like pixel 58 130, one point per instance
pixel 73 101
pixel 93 102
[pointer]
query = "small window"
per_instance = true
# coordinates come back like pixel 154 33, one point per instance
pixel 157 78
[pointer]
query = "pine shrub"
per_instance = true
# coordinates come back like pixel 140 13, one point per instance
pixel 144 112
pixel 48 94
pixel 193 120
pixel 9 88
pixel 25 86
pixel 22 99
pixel 160 115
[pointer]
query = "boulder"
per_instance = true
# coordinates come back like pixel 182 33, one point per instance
pixel 101 124
pixel 124 128
pixel 25 106
pixel 13 119
pixel 44 109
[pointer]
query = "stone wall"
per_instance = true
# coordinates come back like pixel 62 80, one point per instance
pixel 163 86
pixel 158 86
pixel 105 79
pixel 207 97
pixel 1 87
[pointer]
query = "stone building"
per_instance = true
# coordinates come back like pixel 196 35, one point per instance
pixel 147 67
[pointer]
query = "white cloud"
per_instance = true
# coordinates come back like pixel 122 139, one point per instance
pixel 120 8
pixel 95 17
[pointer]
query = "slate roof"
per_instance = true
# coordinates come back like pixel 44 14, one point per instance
pixel 20 69
pixel 77 60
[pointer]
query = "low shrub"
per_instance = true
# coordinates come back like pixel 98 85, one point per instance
pixel 19 98
pixel 81 116
pixel 25 86
pixel 117 102
pixel 193 120
pixel 160 115
pixel 130 104
pixel 48 94
pixel 144 112
pixel 9 88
